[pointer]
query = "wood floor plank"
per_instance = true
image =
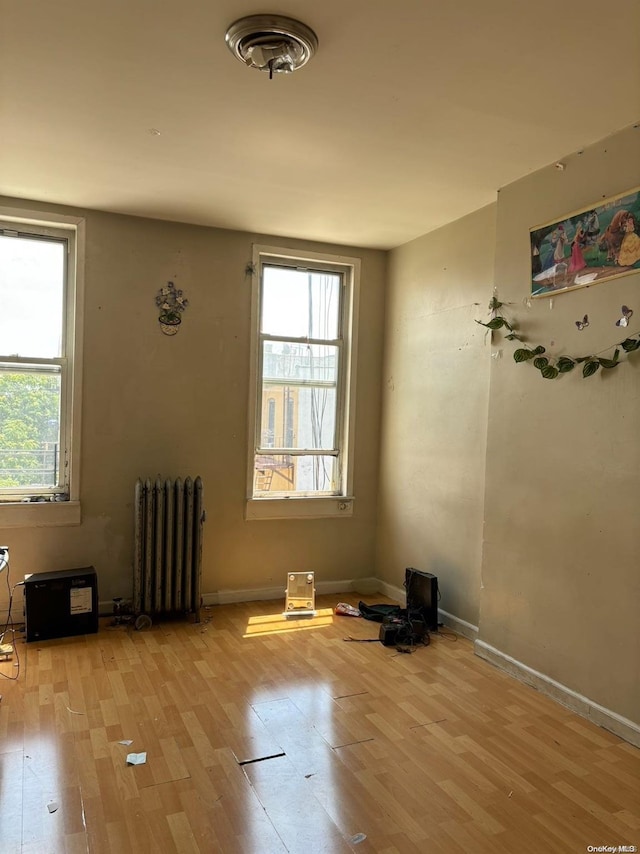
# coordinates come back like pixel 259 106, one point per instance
pixel 301 821
pixel 11 799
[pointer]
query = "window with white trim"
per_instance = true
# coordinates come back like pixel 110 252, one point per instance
pixel 303 372
pixel 38 381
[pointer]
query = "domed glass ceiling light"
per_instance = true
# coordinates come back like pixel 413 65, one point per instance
pixel 271 43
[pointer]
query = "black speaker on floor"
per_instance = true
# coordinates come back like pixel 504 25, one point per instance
pixel 61 604
pixel 422 595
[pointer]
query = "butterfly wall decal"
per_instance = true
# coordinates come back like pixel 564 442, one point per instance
pixel 582 324
pixel 626 314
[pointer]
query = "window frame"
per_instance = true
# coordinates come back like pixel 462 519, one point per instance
pixel 16 510
pixel 306 505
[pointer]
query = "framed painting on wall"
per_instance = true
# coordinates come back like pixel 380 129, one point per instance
pixel 587 247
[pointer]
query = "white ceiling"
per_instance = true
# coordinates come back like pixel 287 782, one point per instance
pixel 412 113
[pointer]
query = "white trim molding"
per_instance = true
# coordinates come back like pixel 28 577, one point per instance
pixel 398 594
pixel 338 501
pixel 364 586
pixel 299 508
pixel 17 513
pixel 459 626
pixel 583 706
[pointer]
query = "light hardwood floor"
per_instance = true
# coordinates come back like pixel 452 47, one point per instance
pixel 265 736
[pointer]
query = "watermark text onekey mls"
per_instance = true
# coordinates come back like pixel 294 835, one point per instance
pixel 612 849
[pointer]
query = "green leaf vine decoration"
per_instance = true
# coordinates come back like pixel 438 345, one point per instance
pixel 551 367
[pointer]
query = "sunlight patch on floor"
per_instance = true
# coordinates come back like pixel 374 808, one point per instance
pixel 269 624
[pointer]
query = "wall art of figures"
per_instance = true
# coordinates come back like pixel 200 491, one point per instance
pixel 587 247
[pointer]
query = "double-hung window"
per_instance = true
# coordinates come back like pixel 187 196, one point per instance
pixel 39 378
pixel 303 384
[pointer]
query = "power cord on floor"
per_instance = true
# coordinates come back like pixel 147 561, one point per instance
pixel 450 636
pixel 9 626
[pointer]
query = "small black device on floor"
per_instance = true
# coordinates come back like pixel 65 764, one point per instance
pixel 407 628
pixel 61 604
pixel 422 595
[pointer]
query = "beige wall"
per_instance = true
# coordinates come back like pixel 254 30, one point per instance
pixel 561 563
pixel 553 577
pixel 177 406
pixel 436 376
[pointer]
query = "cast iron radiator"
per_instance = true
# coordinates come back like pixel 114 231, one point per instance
pixel 169 517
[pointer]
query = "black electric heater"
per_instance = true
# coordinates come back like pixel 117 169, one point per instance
pixel 61 604
pixel 422 595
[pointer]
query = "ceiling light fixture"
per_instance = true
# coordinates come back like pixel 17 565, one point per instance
pixel 271 43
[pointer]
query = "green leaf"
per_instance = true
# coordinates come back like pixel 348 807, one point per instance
pixel 507 325
pixel 565 364
pixel 495 323
pixel 630 344
pixel 616 355
pixel 538 350
pixel 523 355
pixel 513 336
pixel 495 304
pixel 549 373
pixel 590 368
pixel 608 363
pixel 540 363
pixel 582 359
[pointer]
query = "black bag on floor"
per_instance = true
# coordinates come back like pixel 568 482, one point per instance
pixel 379 612
pixel 399 625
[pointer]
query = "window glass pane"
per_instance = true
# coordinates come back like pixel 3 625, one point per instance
pixel 299 396
pixel 303 417
pixel 275 473
pixel 29 428
pixel 300 304
pixel 31 295
pixel 313 363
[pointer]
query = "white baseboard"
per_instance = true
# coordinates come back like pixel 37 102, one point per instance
pixel 583 706
pixel 366 586
pixel 459 626
pixel 257 594
pixel 398 594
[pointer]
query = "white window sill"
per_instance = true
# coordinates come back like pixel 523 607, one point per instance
pixel 299 508
pixel 40 514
